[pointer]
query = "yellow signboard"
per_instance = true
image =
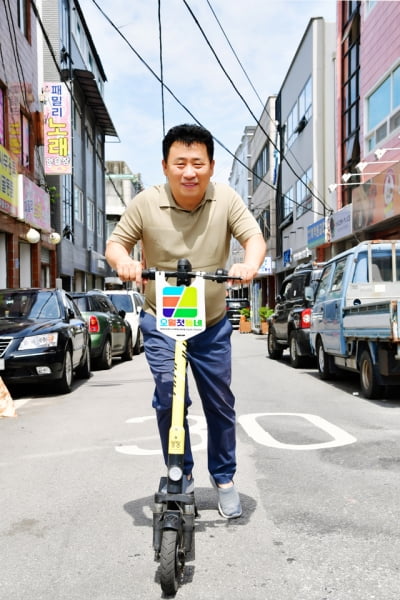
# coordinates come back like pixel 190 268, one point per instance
pixel 8 183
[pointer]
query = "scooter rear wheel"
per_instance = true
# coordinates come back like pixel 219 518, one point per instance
pixel 171 564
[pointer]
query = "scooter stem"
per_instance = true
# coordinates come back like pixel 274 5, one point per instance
pixel 176 440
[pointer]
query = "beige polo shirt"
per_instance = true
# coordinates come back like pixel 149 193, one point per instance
pixel 168 233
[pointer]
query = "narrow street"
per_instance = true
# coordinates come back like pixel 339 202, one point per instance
pixel 318 475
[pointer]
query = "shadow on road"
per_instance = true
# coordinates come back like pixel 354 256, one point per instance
pixel 141 512
pixel 346 382
pixel 206 499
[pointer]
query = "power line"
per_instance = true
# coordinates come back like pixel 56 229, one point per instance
pixel 248 79
pixel 246 104
pixel 168 89
pixel 76 105
pixel 235 55
pixel 160 81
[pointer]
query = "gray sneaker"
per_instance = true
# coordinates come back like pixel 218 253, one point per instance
pixel 228 501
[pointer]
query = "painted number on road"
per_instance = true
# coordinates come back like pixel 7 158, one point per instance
pixel 252 427
pixel 197 426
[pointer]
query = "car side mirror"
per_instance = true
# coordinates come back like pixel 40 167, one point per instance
pixel 70 314
pixel 309 293
pixel 122 314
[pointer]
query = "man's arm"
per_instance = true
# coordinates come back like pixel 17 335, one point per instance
pixel 255 249
pixel 119 259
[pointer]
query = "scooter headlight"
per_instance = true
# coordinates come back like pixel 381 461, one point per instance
pixel 175 473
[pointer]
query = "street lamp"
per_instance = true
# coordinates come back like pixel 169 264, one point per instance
pixel 54 238
pixel 32 236
pixel 379 152
pixel 362 165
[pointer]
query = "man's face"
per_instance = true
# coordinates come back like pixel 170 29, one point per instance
pixel 189 171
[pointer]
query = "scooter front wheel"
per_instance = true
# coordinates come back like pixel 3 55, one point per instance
pixel 171 563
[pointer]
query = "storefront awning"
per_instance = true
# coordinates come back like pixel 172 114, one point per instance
pixel 95 100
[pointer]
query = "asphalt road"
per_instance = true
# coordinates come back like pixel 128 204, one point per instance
pixel 318 474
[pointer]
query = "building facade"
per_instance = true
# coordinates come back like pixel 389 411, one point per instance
pixel 367 184
pixel 78 211
pixel 121 186
pixel 305 111
pixel 53 125
pixel 27 254
pixel 263 177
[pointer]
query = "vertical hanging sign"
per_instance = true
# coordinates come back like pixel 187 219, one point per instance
pixel 57 129
pixel 8 183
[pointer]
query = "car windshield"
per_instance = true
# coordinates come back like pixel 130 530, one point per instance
pixel 82 302
pixel 122 302
pixel 29 305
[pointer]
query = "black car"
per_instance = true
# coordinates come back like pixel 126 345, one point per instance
pixel 43 338
pixel 289 326
pixel 233 308
pixel 110 333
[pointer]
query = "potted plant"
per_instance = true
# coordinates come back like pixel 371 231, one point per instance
pixel 244 323
pixel 265 312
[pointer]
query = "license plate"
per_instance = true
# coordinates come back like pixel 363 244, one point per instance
pixel 2 364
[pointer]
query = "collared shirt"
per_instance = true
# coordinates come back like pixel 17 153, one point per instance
pixel 169 233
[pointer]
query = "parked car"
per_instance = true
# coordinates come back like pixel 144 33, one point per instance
pixel 233 308
pixel 43 338
pixel 110 333
pixel 131 302
pixel 289 326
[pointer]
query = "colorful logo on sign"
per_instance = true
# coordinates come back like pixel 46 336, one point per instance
pixel 179 302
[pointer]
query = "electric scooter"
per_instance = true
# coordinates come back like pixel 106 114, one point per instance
pixel 180 314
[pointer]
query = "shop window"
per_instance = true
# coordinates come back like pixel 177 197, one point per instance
pixel 288 199
pixel 25 157
pixel 24 17
pixel 78 204
pixel 383 115
pixel 303 193
pixel 91 211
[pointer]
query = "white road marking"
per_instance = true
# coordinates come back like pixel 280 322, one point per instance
pixel 252 427
pixel 259 435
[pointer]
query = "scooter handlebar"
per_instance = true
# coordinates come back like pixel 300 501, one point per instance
pixel 220 275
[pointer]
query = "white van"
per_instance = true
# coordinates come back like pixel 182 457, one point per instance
pixel 131 302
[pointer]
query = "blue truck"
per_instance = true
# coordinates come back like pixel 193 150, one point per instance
pixel 355 317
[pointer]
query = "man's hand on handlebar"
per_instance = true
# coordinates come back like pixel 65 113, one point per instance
pixel 129 270
pixel 245 271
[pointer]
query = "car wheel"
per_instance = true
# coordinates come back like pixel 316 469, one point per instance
pixel 105 360
pixel 83 371
pixel 324 362
pixel 296 360
pixel 370 387
pixel 129 350
pixel 274 349
pixel 137 346
pixel 64 384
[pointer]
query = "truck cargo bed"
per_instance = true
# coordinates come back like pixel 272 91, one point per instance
pixel 375 320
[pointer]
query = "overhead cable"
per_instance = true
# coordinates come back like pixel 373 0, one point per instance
pixel 54 58
pixel 269 139
pixel 186 109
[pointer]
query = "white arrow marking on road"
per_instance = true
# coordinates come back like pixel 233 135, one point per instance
pixel 259 435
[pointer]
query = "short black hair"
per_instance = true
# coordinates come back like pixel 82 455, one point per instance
pixel 188 135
